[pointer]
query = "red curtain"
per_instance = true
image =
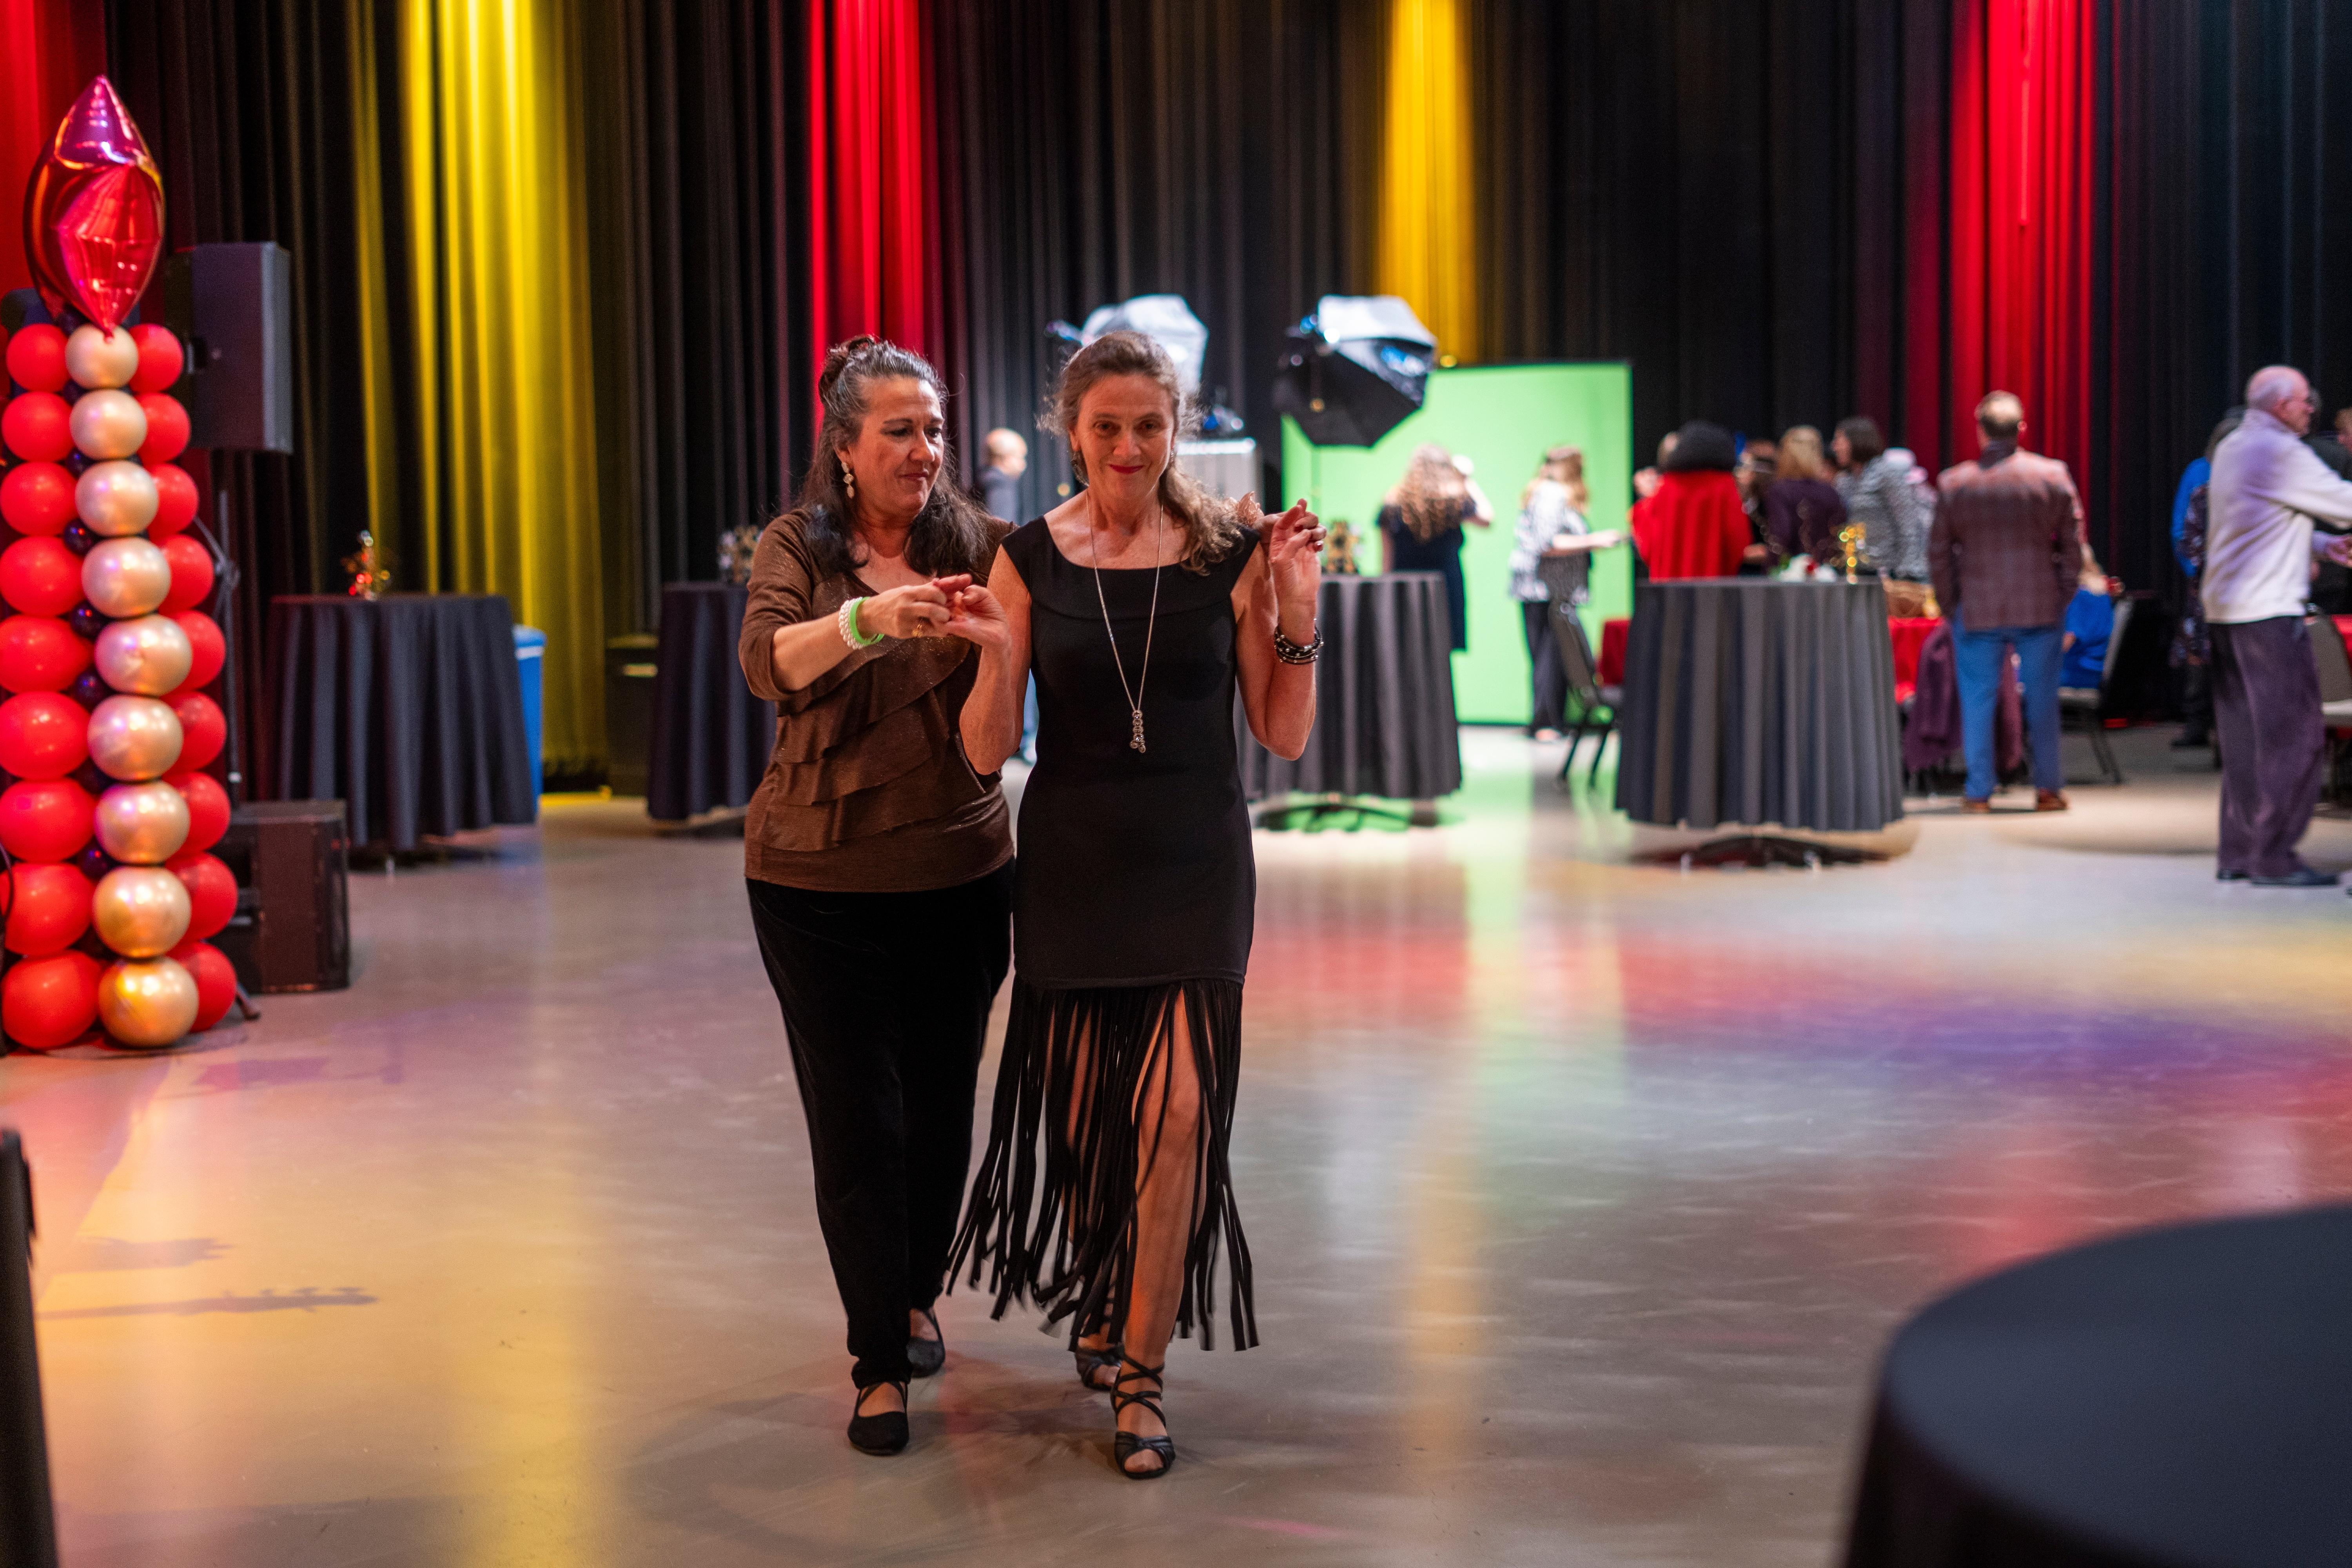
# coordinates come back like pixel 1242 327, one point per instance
pixel 875 207
pixel 50 48
pixel 2016 293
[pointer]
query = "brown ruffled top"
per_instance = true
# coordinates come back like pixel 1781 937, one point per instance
pixel 867 789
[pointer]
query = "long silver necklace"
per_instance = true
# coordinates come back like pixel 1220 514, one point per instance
pixel 1134 693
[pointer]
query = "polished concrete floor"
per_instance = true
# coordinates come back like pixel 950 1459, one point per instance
pixel 1583 1197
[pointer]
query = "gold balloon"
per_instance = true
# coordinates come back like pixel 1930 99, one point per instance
pixel 115 498
pixel 108 425
pixel 142 824
pixel 140 912
pixel 152 1001
pixel 134 738
pixel 150 656
pixel 101 359
pixel 126 577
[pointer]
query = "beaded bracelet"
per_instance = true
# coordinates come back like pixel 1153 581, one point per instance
pixel 845 620
pixel 1292 653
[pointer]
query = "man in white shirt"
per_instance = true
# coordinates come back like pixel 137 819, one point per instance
pixel 2266 491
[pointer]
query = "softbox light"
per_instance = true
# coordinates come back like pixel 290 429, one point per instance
pixel 1355 370
pixel 1167 321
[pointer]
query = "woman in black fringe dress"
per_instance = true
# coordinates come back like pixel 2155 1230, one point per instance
pixel 1142 605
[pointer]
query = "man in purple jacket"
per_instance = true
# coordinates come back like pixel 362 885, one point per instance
pixel 2005 549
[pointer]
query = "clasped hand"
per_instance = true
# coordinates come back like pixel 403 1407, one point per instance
pixel 944 606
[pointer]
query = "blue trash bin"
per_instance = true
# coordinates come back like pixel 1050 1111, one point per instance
pixel 530 653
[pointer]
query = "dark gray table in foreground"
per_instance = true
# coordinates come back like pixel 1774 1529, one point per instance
pixel 2179 1398
pixel 1753 702
pixel 711 738
pixel 407 708
pixel 1384 720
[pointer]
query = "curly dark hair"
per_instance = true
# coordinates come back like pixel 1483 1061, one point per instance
pixel 1209 525
pixel 951 533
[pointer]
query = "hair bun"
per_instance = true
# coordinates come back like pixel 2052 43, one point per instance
pixel 838 361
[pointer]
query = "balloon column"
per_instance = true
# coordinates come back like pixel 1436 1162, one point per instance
pixel 105 729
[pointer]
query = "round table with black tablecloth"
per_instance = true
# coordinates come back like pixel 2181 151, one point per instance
pixel 408 708
pixel 1384 720
pixel 1757 702
pixel 2179 1398
pixel 711 737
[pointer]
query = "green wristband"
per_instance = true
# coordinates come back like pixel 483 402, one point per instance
pixel 851 632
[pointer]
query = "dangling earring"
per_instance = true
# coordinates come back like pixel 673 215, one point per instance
pixel 848 479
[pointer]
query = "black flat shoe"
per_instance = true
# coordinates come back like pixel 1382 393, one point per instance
pixel 2301 877
pixel 2226 875
pixel 1127 1445
pixel 1091 1362
pixel 925 1357
pixel 881 1434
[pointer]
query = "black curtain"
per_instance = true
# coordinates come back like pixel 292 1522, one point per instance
pixel 1223 151
pixel 2230 208
pixel 244 104
pixel 698 177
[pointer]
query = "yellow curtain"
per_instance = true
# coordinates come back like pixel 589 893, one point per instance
pixel 499 493
pixel 1428 231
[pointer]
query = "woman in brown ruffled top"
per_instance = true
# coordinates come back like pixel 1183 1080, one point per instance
pixel 880 865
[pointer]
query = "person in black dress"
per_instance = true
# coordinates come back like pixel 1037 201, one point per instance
pixel 1141 605
pixel 1422 519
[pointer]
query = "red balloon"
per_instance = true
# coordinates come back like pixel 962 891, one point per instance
pixel 38 497
pixel 160 358
pixel 207 803
pixel 39 425
pixel 212 891
pixel 203 730
pixel 40 577
pixel 48 908
pixel 191 573
pixel 46 1003
pixel 204 638
pixel 43 735
pixel 37 358
pixel 175 500
pixel 167 428
pixel 40 653
pixel 215 980
pixel 94 212
pixel 45 820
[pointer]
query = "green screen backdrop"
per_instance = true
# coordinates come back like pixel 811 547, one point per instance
pixel 1503 417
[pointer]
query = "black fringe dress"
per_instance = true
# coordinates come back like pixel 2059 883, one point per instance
pixel 1135 891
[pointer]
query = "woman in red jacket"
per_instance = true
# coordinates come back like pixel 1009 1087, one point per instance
pixel 1692 524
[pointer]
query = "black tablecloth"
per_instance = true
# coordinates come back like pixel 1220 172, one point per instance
pixel 1384 720
pixel 2181 1398
pixel 711 737
pixel 408 708
pixel 1750 702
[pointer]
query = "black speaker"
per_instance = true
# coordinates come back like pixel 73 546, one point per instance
pixel 292 930
pixel 629 672
pixel 234 306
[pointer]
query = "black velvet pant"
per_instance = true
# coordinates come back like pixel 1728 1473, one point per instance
pixel 885 1000
pixel 2274 742
pixel 1549 680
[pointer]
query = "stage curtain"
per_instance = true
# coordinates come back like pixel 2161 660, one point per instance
pixel 1227 150
pixel 252 108
pixel 1429 229
pixel 2019 292
pixel 52 48
pixel 499 357
pixel 699 223
pixel 874 200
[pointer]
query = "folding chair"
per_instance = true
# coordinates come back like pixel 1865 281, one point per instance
pixel 2087 704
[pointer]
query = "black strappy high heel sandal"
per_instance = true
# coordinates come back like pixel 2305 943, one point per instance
pixel 883 1433
pixel 1127 1445
pixel 925 1357
pixel 1091 1362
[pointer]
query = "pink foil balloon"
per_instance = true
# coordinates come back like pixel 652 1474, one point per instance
pixel 94 211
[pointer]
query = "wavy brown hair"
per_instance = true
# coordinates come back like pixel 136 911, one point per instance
pixel 1210 527
pixel 951 533
pixel 1430 494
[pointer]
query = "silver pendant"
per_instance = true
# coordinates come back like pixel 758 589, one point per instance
pixel 1135 741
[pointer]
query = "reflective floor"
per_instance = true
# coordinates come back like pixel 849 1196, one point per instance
pixel 1582 1194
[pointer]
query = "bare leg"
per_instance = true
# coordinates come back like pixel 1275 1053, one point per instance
pixel 1167 1116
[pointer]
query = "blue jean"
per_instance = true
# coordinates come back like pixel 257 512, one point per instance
pixel 1976 658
